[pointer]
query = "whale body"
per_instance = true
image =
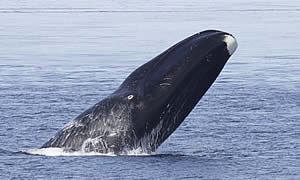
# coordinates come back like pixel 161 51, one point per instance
pixel 152 101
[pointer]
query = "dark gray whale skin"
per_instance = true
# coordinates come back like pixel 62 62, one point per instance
pixel 153 101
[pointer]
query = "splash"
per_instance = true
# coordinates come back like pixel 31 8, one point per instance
pixel 62 152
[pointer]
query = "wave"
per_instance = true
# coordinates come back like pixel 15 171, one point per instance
pixel 4 152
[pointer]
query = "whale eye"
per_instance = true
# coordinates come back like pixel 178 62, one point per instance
pixel 130 97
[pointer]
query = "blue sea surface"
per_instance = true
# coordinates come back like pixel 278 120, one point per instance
pixel 57 58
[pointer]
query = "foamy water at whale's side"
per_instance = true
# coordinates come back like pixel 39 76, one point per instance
pixel 62 152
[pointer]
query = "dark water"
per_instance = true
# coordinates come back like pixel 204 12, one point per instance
pixel 57 58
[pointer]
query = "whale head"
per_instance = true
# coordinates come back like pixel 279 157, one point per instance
pixel 162 92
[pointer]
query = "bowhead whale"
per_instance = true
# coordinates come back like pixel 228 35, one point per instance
pixel 153 100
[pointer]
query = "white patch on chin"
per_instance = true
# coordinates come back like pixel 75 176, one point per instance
pixel 231 43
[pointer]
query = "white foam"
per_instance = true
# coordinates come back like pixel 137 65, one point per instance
pixel 137 152
pixel 62 152
pixel 231 43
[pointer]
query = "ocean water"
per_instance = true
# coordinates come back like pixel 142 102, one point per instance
pixel 57 58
